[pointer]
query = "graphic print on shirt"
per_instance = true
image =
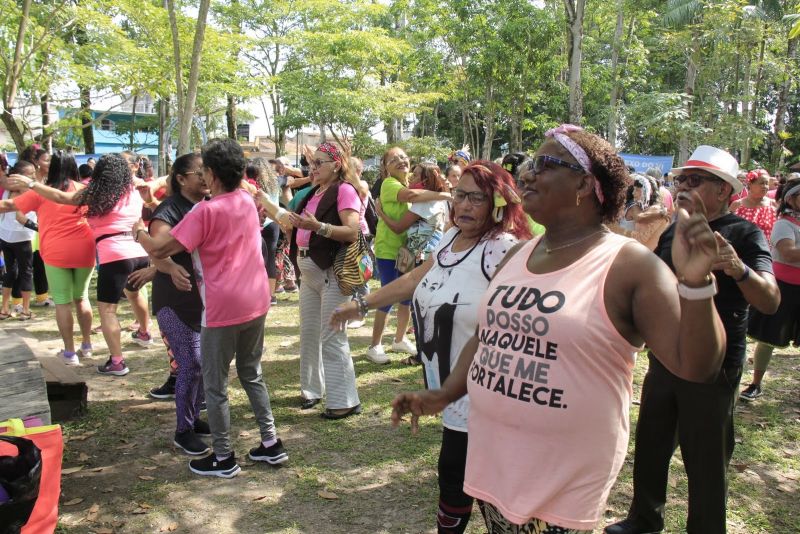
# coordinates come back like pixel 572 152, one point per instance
pixel 517 326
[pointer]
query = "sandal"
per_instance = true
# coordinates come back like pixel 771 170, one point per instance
pixel 25 316
pixel 410 360
pixel 4 316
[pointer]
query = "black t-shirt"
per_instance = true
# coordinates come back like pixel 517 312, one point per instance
pixel 750 244
pixel 188 305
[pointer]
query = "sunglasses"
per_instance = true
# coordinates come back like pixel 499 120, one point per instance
pixel 476 198
pixel 320 162
pixel 539 164
pixel 694 180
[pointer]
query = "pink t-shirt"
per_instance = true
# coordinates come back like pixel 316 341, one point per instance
pixel 346 199
pixel 549 391
pixel 224 237
pixel 119 221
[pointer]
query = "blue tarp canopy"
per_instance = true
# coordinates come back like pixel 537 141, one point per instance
pixel 641 163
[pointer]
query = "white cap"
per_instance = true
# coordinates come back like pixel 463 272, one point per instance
pixel 716 161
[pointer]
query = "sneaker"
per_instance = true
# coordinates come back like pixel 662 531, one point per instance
pixel 290 289
pixel 751 393
pixel 17 309
pixel 376 355
pixel 46 303
pixel 273 300
pixel 115 369
pixel 356 324
pixel 85 351
pixel 68 360
pixel 190 443
pixel 274 455
pixel 404 345
pixel 165 391
pixel 203 406
pixel 201 428
pixel 279 290
pixel 210 466
pixel 630 526
pixel 143 339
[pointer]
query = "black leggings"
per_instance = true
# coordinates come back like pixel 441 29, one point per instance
pixel 19 267
pixel 270 233
pixel 455 506
pixel 39 275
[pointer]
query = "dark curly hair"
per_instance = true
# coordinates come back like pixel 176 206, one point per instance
pixel 181 165
pixel 111 180
pixel 608 168
pixel 512 162
pixel 226 160
pixel 491 178
pixel 63 169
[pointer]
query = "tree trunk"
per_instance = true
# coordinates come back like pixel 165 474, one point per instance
pixel 230 117
pixel 783 100
pixel 515 143
pixel 132 134
pixel 759 76
pixel 12 82
pixel 163 122
pixel 47 134
pixel 575 11
pixel 87 123
pixel 488 124
pixel 688 88
pixel 169 5
pixel 615 81
pixel 323 136
pixel 13 130
pixel 748 67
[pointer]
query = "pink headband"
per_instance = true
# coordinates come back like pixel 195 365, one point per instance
pixel 560 135
pixel 331 150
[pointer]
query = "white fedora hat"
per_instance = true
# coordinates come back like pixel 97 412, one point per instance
pixel 717 162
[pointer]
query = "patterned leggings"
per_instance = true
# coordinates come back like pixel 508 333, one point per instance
pixel 184 343
pixel 285 268
pixel 497 524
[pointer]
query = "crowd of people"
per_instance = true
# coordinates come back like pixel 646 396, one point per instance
pixel 530 284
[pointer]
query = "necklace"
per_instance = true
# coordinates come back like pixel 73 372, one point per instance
pixel 320 191
pixel 550 250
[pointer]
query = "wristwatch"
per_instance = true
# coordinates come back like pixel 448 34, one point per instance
pixel 698 293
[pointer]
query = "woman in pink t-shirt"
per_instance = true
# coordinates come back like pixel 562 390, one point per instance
pixel 549 368
pixel 113 205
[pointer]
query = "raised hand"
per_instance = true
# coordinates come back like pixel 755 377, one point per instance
pixel 694 248
pixel 727 259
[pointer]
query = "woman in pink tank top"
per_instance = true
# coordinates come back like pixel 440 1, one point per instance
pixel 548 370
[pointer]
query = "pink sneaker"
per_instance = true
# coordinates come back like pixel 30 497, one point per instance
pixel 115 369
pixel 142 339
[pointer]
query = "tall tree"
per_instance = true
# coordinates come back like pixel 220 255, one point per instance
pixel 575 10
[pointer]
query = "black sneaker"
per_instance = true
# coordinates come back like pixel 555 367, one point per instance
pixel 751 393
pixel 201 428
pixel 203 406
pixel 630 526
pixel 211 467
pixel 272 455
pixel 190 443
pixel 166 391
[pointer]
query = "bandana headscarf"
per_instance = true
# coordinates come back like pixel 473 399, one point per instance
pixel 331 150
pixel 460 157
pixel 647 189
pixel 560 135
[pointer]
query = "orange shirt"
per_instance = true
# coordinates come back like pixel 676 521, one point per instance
pixel 65 239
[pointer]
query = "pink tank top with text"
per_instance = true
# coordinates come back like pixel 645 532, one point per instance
pixel 550 390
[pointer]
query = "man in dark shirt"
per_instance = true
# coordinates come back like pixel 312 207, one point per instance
pixel 699 417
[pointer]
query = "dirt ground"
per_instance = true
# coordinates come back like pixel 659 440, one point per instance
pixel 122 474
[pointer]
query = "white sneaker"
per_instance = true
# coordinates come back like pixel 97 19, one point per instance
pixel 376 355
pixel 46 303
pixel 356 324
pixel 404 345
pixel 73 360
pixel 17 309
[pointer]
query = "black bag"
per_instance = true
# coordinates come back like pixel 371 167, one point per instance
pixel 19 478
pixel 371 216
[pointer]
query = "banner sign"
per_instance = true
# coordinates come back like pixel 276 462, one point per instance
pixel 641 163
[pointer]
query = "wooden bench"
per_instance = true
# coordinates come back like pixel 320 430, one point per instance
pixel 66 391
pixel 22 386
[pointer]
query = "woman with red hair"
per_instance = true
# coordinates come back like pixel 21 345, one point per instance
pixel 757 207
pixel 447 288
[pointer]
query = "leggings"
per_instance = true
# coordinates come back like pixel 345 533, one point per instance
pixel 19 267
pixel 270 234
pixel 185 346
pixel 455 506
pixel 497 524
pixel 69 284
pixel 39 275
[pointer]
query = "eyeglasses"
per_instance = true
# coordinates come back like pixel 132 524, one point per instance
pixel 320 162
pixel 693 180
pixel 197 173
pixel 476 198
pixel 397 159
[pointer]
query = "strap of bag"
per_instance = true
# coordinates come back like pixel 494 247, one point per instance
pixel 106 236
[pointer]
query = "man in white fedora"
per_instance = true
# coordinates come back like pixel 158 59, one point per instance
pixel 699 417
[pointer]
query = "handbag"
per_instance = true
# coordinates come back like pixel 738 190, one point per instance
pixel 353 265
pixel 406 260
pixel 19 484
pixel 50 442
